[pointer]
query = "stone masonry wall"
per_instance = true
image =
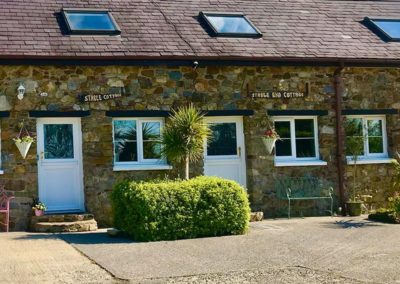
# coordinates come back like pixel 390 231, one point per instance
pixel 162 87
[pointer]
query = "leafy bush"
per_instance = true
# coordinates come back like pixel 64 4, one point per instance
pixel 395 204
pixel 384 215
pixel 169 210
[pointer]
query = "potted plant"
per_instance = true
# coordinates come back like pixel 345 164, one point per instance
pixel 39 208
pixel 269 139
pixel 354 147
pixel 24 140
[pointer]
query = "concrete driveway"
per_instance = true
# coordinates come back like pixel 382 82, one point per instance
pixel 45 258
pixel 311 250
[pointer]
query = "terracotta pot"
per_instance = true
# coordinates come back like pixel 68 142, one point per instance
pixel 354 208
pixel 39 212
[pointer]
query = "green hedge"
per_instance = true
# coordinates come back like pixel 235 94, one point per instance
pixel 169 210
pixel 384 215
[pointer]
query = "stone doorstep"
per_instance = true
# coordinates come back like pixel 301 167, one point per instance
pixel 57 223
pixel 59 227
pixel 61 218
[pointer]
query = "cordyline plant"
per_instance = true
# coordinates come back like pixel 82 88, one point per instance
pixel 183 136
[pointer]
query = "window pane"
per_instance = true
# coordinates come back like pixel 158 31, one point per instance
pixel 283 147
pixel 354 146
pixel 231 24
pixel 375 127
pixel 375 139
pixel 304 128
pixel 282 128
pixel 151 132
pixel 305 148
pixel 375 145
pixel 58 141
pixel 89 21
pixel 354 137
pixel 125 143
pixel 354 127
pixel 392 28
pixel 223 139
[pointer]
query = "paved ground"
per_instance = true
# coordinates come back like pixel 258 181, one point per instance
pixel 311 250
pixel 41 258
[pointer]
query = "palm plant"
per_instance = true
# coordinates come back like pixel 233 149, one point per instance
pixel 184 135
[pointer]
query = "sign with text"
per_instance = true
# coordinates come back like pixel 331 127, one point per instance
pixel 98 98
pixel 278 95
pixel 113 93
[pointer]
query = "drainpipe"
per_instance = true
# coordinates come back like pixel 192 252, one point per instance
pixel 337 84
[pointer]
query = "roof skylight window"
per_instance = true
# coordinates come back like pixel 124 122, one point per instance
pixel 387 28
pixel 230 24
pixel 90 22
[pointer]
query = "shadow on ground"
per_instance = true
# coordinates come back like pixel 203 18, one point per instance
pixel 351 224
pixel 99 237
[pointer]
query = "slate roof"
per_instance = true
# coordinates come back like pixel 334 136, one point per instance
pixel 170 29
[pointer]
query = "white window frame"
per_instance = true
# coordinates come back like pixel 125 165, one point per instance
pixel 371 158
pixel 286 161
pixel 141 163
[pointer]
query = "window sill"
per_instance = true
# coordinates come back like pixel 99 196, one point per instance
pixel 300 163
pixel 370 161
pixel 142 167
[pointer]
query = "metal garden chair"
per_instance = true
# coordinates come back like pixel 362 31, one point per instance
pixel 5 207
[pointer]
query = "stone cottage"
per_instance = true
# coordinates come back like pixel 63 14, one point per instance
pixel 95 82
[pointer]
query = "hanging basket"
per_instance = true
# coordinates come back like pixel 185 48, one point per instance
pixel 24 140
pixel 269 143
pixel 23 147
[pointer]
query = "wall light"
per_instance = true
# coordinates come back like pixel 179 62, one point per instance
pixel 21 91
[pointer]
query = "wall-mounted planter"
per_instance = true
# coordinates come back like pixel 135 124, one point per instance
pixel 23 147
pixel 269 143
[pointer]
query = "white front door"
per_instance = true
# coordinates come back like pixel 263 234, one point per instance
pixel 59 142
pixel 224 154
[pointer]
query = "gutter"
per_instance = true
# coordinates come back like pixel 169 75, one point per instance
pixel 338 87
pixel 132 60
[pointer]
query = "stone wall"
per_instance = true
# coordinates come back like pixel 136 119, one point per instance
pixel 162 87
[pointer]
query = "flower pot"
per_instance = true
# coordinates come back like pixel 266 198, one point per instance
pixel 39 212
pixel 23 148
pixel 354 208
pixel 269 143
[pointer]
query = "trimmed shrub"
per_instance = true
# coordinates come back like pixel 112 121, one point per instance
pixel 170 210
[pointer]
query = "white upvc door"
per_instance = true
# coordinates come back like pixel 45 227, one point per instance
pixel 224 153
pixel 59 148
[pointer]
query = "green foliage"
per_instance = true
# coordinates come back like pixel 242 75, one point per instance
pixel 354 147
pixel 394 203
pixel 183 136
pixel 384 215
pixel 169 210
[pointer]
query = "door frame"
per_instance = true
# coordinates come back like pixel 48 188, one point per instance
pixel 241 145
pixel 77 134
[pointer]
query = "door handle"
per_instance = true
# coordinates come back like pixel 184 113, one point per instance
pixel 239 151
pixel 41 155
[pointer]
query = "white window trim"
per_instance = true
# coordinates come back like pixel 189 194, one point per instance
pixel 141 163
pixel 367 158
pixel 292 161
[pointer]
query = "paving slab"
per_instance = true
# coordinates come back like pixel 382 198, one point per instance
pixel 315 250
pixel 45 258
